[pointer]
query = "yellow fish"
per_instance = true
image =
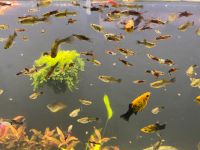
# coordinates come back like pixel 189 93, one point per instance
pixel 197 99
pixel 153 128
pixel 162 83
pixel 137 105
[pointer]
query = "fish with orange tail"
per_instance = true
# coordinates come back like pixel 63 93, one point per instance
pixel 136 105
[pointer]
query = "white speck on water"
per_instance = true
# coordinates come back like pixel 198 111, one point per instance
pixel 179 94
pixel 179 37
pixel 114 64
pixel 21 54
pixel 86 132
pixel 165 89
pixel 91 84
pixel 130 142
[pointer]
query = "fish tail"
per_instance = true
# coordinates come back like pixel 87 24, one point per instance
pixel 128 114
pixel 119 80
pixel 173 80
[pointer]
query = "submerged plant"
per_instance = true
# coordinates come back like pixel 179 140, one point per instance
pixel 64 68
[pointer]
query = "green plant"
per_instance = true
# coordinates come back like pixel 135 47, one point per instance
pixel 63 68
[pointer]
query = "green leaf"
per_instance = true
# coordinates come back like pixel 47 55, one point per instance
pixel 108 108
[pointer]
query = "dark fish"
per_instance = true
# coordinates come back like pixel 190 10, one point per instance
pixel 50 13
pixel 172 70
pixel 157 21
pixel 56 44
pixel 33 20
pixel 153 128
pixel 88 53
pixel 184 14
pixel 10 40
pixel 65 13
pixel 113 37
pixel 131 12
pixel 163 37
pixel 49 73
pixel 126 63
pixel 145 27
pixel 82 37
pixel 71 21
pixel 94 8
pixel 137 21
pixel 5 4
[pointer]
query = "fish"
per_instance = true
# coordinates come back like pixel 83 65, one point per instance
pixel 57 43
pixel 191 70
pixel 129 25
pixel 94 61
pixel 153 128
pixel 51 70
pixel 115 14
pixel 20 30
pixel 33 10
pixel 75 3
pixel 162 83
pixel 4 26
pixel 184 14
pixel 172 70
pixel 85 102
pixel 163 147
pixel 71 21
pixel 25 38
pixel 75 112
pixel 157 21
pixel 88 53
pixel 155 73
pixel 50 13
pixel 86 120
pixel 131 6
pixel 109 79
pixel 131 12
pixel 43 3
pixel 29 71
pixel 94 8
pixel 137 105
pixel 97 27
pixel 82 37
pixel 161 60
pixel 5 4
pixel 35 95
pixel 195 82
pixel 65 13
pixel 1 91
pixel 139 81
pixel 197 31
pixel 113 37
pixel 137 21
pixel 126 63
pixel 197 99
pixel 56 107
pixel 185 26
pixel 156 110
pixel 110 52
pixel 108 19
pixel 32 20
pixel 172 17
pixel 125 51
pixel 9 41
pixel 163 37
pixel 147 44
pixel 18 120
pixel 145 27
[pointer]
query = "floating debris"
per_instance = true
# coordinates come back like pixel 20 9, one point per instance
pixel 1 91
pixel 195 82
pixel 191 70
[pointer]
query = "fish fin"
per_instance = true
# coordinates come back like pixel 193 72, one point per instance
pixel 127 115
pixel 173 80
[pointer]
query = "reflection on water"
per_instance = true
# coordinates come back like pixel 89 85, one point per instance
pixel 180 113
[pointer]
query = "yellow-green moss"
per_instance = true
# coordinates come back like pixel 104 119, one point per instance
pixel 68 75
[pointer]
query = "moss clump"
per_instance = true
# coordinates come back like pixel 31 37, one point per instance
pixel 66 66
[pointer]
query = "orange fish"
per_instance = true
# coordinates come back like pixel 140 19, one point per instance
pixel 137 105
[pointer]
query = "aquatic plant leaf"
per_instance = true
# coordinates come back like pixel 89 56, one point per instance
pixel 108 107
pixel 61 135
